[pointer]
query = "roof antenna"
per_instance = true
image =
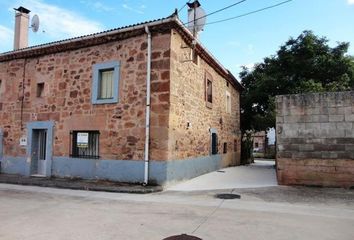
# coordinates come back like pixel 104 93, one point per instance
pixel 35 23
pixel 196 18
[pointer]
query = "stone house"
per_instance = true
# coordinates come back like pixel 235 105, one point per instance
pixel 145 103
pixel 259 141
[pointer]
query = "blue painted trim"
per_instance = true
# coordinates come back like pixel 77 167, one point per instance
pixel 213 130
pixel 96 77
pixel 160 172
pixel 114 170
pixel 185 169
pixel 48 125
pixel 14 165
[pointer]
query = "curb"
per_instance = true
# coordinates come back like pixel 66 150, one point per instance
pixel 87 185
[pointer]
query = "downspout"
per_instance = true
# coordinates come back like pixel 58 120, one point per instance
pixel 23 92
pixel 147 121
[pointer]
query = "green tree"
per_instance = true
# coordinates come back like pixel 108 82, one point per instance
pixel 303 64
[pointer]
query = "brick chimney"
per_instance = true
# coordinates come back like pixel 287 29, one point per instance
pixel 21 28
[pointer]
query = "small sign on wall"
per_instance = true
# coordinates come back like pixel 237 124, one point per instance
pixel 82 139
pixel 23 141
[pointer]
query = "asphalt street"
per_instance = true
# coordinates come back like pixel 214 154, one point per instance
pixel 262 213
pixel 264 210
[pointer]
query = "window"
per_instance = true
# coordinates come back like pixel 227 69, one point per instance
pixel 235 145
pixel 228 102
pixel 225 148
pixel 209 91
pixel 85 144
pixel 208 83
pixel 256 145
pixel 106 84
pixel 105 87
pixel 214 142
pixel 194 56
pixel 40 90
pixel 227 84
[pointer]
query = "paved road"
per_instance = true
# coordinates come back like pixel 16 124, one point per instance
pixel 261 213
pixel 258 174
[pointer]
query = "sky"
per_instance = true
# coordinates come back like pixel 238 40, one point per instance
pixel 240 42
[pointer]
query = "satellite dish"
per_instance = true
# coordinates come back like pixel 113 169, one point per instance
pixel 196 16
pixel 35 23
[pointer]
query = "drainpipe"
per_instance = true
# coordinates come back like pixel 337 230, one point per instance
pixel 148 93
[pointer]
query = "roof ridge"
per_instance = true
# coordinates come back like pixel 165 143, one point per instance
pixel 170 17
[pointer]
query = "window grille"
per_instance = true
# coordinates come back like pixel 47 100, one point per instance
pixel 85 144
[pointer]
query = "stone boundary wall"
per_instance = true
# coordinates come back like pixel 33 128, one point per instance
pixel 315 139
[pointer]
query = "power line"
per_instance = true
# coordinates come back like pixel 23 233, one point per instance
pixel 249 13
pixel 183 6
pixel 217 11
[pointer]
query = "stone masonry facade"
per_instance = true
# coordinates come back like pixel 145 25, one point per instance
pixel 177 97
pixel 315 139
pixel 188 104
pixel 66 100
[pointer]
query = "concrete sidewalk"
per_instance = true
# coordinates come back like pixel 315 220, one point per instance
pixel 259 174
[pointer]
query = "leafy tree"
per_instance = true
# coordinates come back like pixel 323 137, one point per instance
pixel 303 64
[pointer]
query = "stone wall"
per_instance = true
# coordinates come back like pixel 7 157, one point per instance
pixel 67 78
pixel 188 105
pixel 315 139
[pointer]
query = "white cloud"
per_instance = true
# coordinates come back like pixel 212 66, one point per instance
pixel 136 10
pixel 350 2
pixel 102 7
pixel 97 6
pixel 59 23
pixel 6 38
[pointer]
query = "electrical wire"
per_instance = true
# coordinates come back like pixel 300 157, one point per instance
pixel 217 11
pixel 249 13
pixel 183 6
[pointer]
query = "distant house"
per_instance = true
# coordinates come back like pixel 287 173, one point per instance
pixel 259 141
pixel 142 103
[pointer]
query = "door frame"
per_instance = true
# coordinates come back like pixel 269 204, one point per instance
pixel 40 125
pixel 211 131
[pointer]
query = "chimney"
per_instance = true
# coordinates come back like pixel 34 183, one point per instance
pixel 21 28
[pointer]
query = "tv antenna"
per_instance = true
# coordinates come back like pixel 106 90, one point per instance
pixel 35 23
pixel 196 17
